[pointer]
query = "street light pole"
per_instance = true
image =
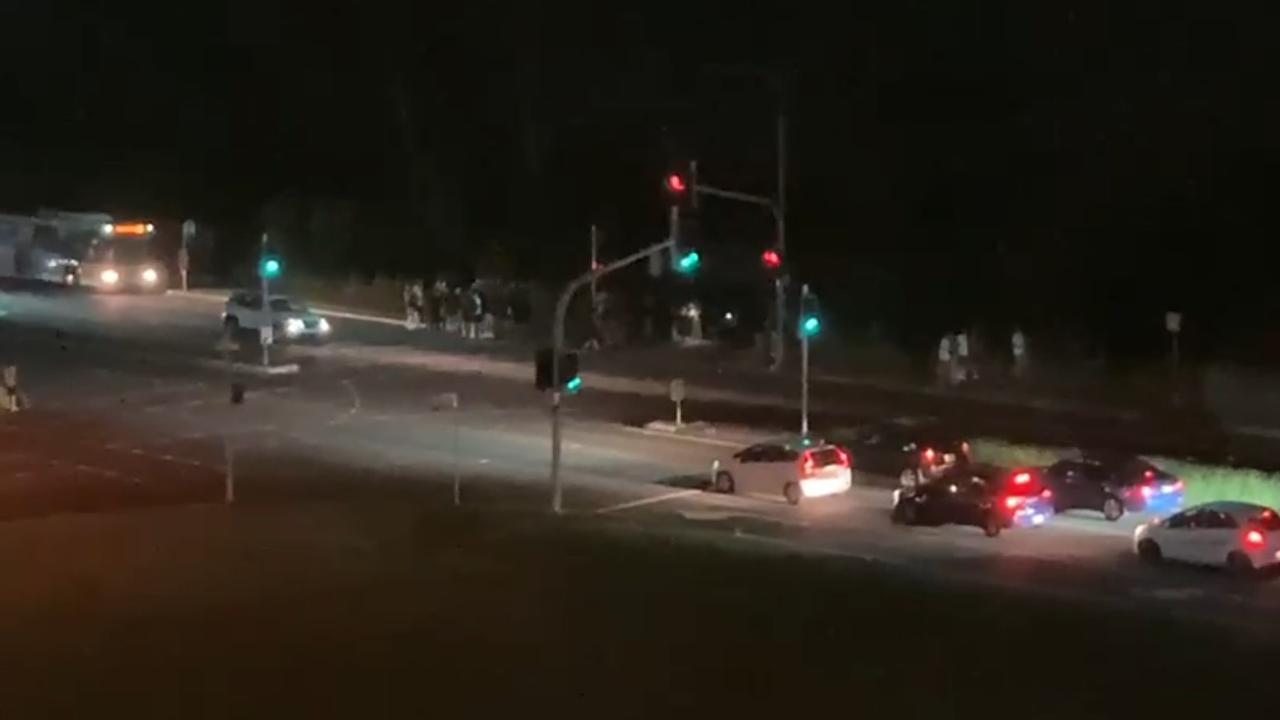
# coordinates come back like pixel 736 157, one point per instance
pixel 557 348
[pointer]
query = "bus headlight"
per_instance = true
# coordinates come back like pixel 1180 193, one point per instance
pixel 110 277
pixel 150 276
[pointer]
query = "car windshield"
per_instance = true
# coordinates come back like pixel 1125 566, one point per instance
pixel 285 305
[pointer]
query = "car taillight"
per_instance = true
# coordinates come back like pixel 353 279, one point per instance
pixel 807 465
pixel 1146 491
pixel 1175 487
pixel 1046 493
pixel 1022 478
pixel 1148 474
pixel 1254 538
pixel 929 454
pixel 964 446
pixel 1013 501
pixel 844 458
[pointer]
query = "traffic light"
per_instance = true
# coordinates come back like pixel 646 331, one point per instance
pixel 810 322
pixel 686 260
pixel 675 184
pixel 270 266
pixel 771 259
pixel 571 380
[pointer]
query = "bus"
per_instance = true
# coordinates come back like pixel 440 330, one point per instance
pixel 122 257
pixel 35 249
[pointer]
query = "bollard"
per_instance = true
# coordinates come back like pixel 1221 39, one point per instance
pixel 237 393
pixel 12 398
pixel 229 489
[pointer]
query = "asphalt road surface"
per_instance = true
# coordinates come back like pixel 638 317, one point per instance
pixel 129 407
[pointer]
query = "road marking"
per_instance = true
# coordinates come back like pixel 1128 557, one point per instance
pixel 647 501
pixel 687 438
pixel 355 405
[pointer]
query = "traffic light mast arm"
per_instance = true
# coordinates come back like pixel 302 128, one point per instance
pixel 739 196
pixel 557 348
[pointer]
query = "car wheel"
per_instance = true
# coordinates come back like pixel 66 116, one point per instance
pixel 1239 564
pixel 791 491
pixel 992 526
pixel 231 326
pixel 1149 551
pixel 1112 509
pixel 724 483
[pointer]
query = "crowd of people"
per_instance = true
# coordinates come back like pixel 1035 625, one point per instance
pixel 956 364
pixel 465 312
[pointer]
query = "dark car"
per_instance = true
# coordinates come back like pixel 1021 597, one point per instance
pixel 982 496
pixel 1112 486
pixel 910 449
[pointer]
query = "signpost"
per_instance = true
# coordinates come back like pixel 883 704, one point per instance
pixel 677 397
pixel 1173 323
pixel 184 253
pixel 449 401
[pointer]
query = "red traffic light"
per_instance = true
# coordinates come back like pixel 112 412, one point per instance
pixel 771 259
pixel 675 183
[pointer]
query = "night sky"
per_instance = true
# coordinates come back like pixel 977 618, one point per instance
pixel 1059 164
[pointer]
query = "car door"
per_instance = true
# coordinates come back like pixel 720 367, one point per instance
pixel 1214 536
pixel 1176 538
pixel 1094 488
pixel 777 467
pixel 744 463
pixel 1065 478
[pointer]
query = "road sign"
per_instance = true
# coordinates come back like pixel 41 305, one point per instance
pixel 677 390
pixel 266 335
pixel 1173 322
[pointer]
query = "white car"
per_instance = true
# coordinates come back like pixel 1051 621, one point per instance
pixel 288 321
pixel 791 469
pixel 1241 536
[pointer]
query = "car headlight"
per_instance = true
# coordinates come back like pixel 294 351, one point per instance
pixel 293 326
pixel 323 325
pixel 110 277
pixel 150 275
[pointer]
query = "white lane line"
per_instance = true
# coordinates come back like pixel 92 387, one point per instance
pixel 647 501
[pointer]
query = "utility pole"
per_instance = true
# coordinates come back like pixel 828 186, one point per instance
pixel 557 349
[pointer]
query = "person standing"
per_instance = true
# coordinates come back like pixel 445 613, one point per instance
pixel 962 356
pixel 1018 344
pixel 944 372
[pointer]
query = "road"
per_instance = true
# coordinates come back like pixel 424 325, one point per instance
pixel 125 391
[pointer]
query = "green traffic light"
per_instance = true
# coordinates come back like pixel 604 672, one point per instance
pixel 574 384
pixel 689 262
pixel 811 325
pixel 270 267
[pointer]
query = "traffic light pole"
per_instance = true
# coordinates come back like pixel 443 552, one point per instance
pixel 804 367
pixel 266 301
pixel 557 349
pixel 777 206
